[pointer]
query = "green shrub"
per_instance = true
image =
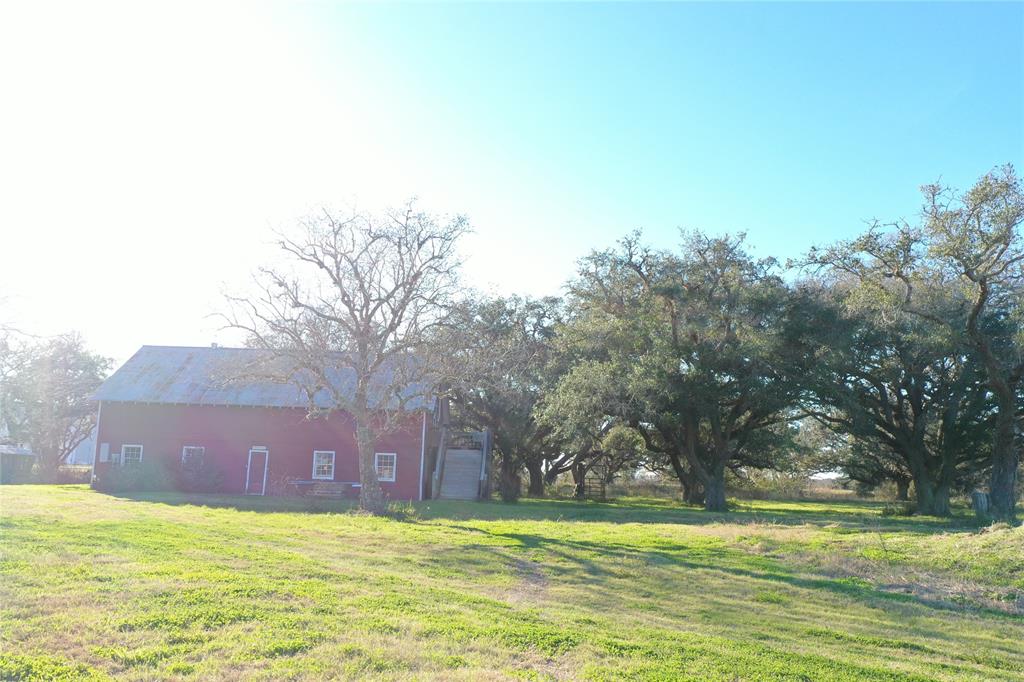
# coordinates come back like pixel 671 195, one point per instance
pixel 199 477
pixel 149 474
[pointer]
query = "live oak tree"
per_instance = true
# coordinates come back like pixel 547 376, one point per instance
pixel 976 236
pixel 968 247
pixel 614 325
pixel 46 395
pixel 361 298
pixel 905 391
pixel 581 410
pixel 499 354
pixel 587 422
pixel 825 449
pixel 703 351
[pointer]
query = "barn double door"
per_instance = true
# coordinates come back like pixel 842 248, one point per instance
pixel 256 471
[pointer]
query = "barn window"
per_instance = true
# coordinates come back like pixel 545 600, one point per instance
pixel 192 455
pixel 131 454
pixel 323 464
pixel 385 463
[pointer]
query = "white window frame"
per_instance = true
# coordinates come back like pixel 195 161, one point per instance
pixel 394 466
pixel 323 478
pixel 184 448
pixel 124 459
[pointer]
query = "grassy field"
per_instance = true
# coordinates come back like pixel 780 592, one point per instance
pixel 171 587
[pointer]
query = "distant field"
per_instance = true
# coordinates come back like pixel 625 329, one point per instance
pixel 170 587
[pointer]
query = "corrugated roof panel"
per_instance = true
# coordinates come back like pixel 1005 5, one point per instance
pixel 215 376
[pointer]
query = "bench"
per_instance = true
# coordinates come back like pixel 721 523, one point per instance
pixel 336 489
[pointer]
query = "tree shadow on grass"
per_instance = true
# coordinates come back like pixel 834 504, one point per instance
pixel 254 503
pixel 576 561
pixel 851 516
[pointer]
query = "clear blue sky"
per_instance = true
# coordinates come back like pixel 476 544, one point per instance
pixel 166 139
pixel 793 122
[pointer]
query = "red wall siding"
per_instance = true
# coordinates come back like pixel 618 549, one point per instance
pixel 227 433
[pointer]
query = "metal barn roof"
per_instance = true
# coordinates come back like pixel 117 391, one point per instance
pixel 220 376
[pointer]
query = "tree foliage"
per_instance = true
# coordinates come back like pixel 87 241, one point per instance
pixel 899 354
pixel 906 392
pixel 46 391
pixel 499 355
pixel 700 351
pixel 954 287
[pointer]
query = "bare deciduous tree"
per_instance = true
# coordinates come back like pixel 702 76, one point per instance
pixel 354 316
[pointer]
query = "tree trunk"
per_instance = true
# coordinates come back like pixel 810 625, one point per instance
pixel 903 489
pixel 579 475
pixel 714 492
pixel 932 493
pixel 1005 456
pixel 922 494
pixel 940 500
pixel 508 479
pixel 932 498
pixel 687 489
pixel 694 493
pixel 371 497
pixel 1005 461
pixel 536 488
pixel 693 490
pixel 48 465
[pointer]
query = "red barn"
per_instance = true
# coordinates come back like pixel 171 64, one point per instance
pixel 180 406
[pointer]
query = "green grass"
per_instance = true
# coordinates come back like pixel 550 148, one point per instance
pixel 164 586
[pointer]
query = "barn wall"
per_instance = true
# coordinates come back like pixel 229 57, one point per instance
pixel 227 433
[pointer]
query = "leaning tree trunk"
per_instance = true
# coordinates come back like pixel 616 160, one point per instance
pixel 536 487
pixel 1005 455
pixel 1005 461
pixel 693 491
pixel 371 497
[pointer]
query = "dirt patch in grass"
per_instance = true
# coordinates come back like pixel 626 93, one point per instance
pixel 531 583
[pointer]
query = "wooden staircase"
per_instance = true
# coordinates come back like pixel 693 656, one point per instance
pixel 461 468
pixel 461 477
